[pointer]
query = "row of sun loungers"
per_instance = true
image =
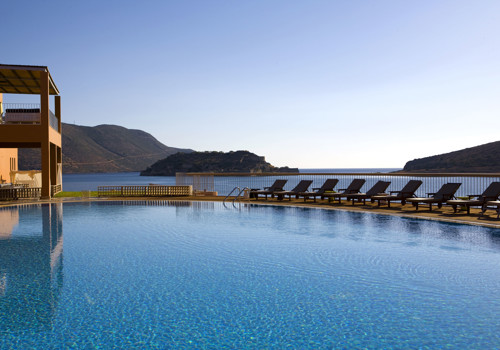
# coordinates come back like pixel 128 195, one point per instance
pixel 353 188
pixel 445 195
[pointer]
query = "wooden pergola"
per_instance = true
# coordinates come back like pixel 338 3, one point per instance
pixel 35 80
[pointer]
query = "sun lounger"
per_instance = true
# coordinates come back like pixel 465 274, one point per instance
pixel 328 186
pixel 276 186
pixel 354 187
pixel 492 205
pixel 491 193
pixel 302 186
pixel 407 192
pixel 378 188
pixel 445 193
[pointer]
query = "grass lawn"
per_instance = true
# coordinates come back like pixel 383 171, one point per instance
pixel 75 194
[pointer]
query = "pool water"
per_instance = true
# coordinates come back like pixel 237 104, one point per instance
pixel 197 275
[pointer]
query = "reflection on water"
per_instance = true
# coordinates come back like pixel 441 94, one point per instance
pixel 8 220
pixel 159 203
pixel 195 205
pixel 370 226
pixel 30 266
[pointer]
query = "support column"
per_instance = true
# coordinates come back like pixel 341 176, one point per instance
pixel 45 150
pixel 44 133
pixel 57 102
pixel 53 164
pixel 59 164
pixel 57 107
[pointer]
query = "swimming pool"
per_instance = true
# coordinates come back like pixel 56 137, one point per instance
pixel 196 275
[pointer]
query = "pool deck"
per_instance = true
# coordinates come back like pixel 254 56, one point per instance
pixel 489 219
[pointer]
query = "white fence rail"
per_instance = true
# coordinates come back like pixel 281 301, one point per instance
pixel 224 183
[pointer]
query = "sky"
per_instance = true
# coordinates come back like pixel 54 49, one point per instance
pixel 308 84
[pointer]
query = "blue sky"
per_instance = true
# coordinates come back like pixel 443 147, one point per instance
pixel 309 84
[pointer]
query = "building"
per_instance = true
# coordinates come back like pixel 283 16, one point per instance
pixel 8 164
pixel 31 125
pixel 8 157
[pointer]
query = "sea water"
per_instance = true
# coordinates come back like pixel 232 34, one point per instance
pixel 89 182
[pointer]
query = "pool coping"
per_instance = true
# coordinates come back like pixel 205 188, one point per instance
pixel 421 215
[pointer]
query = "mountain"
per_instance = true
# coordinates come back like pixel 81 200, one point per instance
pixel 219 162
pixel 480 159
pixel 103 149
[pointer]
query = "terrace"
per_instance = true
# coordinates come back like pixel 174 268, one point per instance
pixel 33 125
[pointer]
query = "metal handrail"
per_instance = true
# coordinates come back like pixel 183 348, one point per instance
pixel 230 193
pixel 239 193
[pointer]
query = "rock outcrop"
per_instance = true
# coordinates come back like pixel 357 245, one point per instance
pixel 480 159
pixel 217 162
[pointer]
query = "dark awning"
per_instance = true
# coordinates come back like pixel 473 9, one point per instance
pixel 15 79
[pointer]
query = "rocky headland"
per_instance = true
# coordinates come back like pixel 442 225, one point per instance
pixel 479 159
pixel 217 162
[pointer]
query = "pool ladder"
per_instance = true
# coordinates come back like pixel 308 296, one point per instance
pixel 237 197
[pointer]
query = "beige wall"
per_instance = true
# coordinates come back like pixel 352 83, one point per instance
pixel 8 162
pixel 8 159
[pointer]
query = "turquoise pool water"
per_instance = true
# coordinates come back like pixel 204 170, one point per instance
pixel 192 275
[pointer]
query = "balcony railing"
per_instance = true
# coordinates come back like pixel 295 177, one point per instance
pixel 25 113
pixel 144 191
pixel 19 192
pixel 54 189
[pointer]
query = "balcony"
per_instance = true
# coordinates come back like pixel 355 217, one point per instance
pixel 25 114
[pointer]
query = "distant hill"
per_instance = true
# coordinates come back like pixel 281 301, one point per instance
pixel 220 162
pixel 103 149
pixel 480 159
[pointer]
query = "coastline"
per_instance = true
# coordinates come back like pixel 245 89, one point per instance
pixel 90 181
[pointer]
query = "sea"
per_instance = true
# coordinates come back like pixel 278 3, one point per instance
pixel 225 185
pixel 89 182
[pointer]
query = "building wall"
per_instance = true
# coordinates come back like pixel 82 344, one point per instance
pixel 8 162
pixel 8 158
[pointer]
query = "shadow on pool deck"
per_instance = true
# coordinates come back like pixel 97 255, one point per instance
pixel 446 214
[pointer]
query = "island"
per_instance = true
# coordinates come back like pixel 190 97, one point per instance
pixel 214 162
pixel 479 159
